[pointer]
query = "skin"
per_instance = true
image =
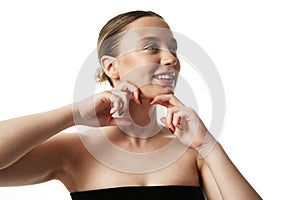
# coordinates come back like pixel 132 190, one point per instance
pixel 33 152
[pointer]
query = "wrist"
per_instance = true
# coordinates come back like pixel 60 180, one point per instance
pixel 76 114
pixel 67 116
pixel 205 149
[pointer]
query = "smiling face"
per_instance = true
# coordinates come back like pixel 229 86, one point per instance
pixel 147 57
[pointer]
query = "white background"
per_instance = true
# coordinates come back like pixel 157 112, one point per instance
pixel 255 46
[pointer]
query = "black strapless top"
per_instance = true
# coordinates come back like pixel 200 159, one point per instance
pixel 141 192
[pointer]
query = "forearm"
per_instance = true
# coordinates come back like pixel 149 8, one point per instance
pixel 18 136
pixel 230 181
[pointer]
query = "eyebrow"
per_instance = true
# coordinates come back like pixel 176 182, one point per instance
pixel 156 39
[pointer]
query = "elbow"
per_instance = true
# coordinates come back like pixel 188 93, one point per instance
pixel 4 163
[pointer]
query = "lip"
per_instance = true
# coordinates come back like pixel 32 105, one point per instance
pixel 165 78
pixel 172 73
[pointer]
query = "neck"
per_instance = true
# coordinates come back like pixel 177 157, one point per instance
pixel 143 114
pixel 144 118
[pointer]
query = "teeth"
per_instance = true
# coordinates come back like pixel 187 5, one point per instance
pixel 164 76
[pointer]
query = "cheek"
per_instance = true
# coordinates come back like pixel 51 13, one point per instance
pixel 136 71
pixel 125 65
pixel 139 75
pixel 136 59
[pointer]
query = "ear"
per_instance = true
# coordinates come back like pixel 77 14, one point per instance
pixel 110 67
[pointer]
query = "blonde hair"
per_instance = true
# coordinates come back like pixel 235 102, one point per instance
pixel 113 27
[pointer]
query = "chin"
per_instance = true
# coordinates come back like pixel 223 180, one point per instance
pixel 155 90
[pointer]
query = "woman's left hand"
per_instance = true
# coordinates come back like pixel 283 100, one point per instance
pixel 182 121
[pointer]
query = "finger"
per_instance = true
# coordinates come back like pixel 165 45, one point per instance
pixel 129 87
pixel 177 120
pixel 136 97
pixel 164 121
pixel 167 100
pixel 173 116
pixel 116 103
pixel 124 98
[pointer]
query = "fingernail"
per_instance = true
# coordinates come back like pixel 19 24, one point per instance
pixel 150 100
pixel 171 130
pixel 121 113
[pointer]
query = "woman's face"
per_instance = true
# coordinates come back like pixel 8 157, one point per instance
pixel 147 57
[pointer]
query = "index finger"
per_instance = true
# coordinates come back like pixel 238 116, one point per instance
pixel 129 87
pixel 167 100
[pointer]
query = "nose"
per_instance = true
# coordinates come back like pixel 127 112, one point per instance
pixel 169 59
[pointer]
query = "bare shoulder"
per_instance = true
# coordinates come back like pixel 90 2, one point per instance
pixel 70 145
pixel 74 146
pixel 79 163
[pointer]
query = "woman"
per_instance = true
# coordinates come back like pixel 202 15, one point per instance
pixel 137 53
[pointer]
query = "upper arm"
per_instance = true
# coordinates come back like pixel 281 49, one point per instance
pixel 41 164
pixel 210 186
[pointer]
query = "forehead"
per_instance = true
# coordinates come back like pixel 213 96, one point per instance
pixel 147 34
pixel 145 29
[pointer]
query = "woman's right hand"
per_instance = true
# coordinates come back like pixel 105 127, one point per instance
pixel 106 108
